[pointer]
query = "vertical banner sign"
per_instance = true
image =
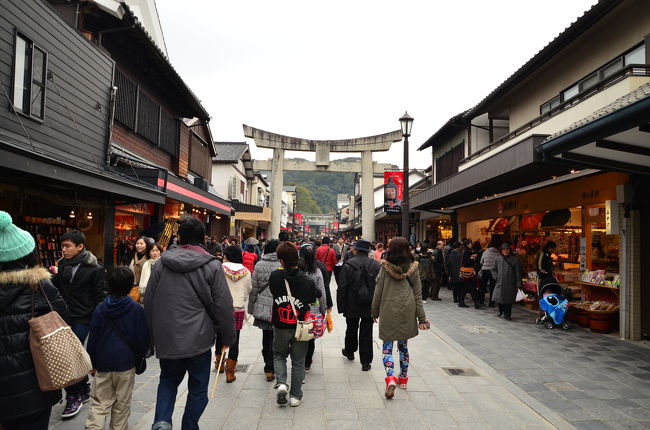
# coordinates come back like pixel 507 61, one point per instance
pixel 298 219
pixel 393 187
pixel 335 226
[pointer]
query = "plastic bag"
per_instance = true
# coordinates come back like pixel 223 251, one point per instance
pixel 520 295
pixel 330 322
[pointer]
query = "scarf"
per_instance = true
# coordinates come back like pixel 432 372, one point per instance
pixel 66 265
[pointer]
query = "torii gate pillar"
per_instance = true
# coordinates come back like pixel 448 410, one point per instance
pixel 365 145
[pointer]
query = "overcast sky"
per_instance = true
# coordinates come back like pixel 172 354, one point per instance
pixel 346 69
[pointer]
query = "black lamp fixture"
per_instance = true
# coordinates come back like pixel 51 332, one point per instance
pixel 406 123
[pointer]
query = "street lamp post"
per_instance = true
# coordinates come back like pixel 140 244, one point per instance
pixel 406 123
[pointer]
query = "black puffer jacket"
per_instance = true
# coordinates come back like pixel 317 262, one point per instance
pixel 19 391
pixel 346 297
pixel 86 290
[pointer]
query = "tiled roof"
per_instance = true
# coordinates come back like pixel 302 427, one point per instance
pixel 229 152
pixel 641 93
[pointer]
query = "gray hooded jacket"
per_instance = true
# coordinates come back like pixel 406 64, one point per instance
pixel 186 302
pixel 261 275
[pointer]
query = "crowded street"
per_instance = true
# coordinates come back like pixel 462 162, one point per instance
pixel 524 380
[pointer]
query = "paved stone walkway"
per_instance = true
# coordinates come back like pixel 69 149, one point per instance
pixel 527 378
pixel 595 381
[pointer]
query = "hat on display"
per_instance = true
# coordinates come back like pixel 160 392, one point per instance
pixel 362 245
pixel 15 243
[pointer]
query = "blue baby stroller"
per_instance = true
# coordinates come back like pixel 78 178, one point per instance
pixel 554 307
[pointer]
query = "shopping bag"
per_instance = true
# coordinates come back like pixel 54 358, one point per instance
pixel 520 295
pixel 319 324
pixel 329 321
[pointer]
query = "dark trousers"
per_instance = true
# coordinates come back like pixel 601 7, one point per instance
pixel 435 285
pixel 358 335
pixel 461 289
pixel 233 351
pixel 172 373
pixel 426 288
pixel 506 310
pixel 487 285
pixel 309 358
pixel 267 349
pixel 81 330
pixel 37 421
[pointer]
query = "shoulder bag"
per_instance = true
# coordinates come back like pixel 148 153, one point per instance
pixel 263 306
pixel 140 359
pixel 60 359
pixel 466 273
pixel 304 329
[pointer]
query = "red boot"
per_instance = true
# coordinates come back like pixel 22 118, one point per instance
pixel 401 382
pixel 391 384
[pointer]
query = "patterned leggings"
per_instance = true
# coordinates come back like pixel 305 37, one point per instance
pixel 389 363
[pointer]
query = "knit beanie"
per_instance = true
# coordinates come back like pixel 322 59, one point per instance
pixel 15 243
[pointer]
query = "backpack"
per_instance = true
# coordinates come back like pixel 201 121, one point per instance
pixel 363 284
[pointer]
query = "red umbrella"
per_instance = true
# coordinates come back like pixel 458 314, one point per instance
pixel 530 222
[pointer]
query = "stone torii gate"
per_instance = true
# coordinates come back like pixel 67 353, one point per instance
pixel 365 145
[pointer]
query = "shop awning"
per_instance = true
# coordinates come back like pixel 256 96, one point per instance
pixel 180 190
pixel 616 137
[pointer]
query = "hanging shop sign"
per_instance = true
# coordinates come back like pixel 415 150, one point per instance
pixel 393 189
pixel 611 217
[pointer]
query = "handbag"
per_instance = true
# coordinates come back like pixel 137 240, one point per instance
pixel 60 359
pixel 466 273
pixel 303 328
pixel 140 361
pixel 263 306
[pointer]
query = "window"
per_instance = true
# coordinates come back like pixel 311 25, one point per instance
pixel 612 68
pixel 635 56
pixel 447 164
pixel 589 81
pixel 549 105
pixel 571 92
pixel 30 71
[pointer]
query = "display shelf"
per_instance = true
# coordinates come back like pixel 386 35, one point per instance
pixel 591 284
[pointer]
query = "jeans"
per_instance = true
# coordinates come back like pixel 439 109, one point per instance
pixel 172 373
pixel 267 349
pixel 487 284
pixel 81 330
pixel 233 351
pixel 37 421
pixel 284 343
pixel 358 335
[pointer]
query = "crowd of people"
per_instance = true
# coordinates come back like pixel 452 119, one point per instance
pixel 195 296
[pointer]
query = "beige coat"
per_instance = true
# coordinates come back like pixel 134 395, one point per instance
pixel 396 303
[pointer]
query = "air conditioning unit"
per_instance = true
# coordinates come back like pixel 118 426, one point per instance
pixel 201 183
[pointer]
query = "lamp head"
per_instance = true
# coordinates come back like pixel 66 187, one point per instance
pixel 406 122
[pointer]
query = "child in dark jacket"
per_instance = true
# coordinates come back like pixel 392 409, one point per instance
pixel 112 358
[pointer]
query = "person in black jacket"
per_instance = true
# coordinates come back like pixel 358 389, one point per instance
pixel 284 320
pixel 453 268
pixel 22 404
pixel 80 280
pixel 356 310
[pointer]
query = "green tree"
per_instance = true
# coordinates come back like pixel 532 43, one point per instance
pixel 305 201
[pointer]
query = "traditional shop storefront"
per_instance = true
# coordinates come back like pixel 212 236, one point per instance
pixel 437 228
pixel 580 216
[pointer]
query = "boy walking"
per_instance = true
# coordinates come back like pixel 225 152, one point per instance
pixel 80 280
pixel 115 321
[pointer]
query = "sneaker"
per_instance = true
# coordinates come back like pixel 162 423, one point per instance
pixel 365 367
pixel 424 301
pixel 390 387
pixel 72 406
pixel 85 394
pixel 348 355
pixel 402 382
pixel 161 425
pixel 293 402
pixel 281 396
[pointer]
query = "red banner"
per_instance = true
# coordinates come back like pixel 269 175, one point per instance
pixel 297 219
pixel 393 187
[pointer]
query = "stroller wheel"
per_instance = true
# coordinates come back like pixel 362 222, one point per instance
pixel 566 325
pixel 549 325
